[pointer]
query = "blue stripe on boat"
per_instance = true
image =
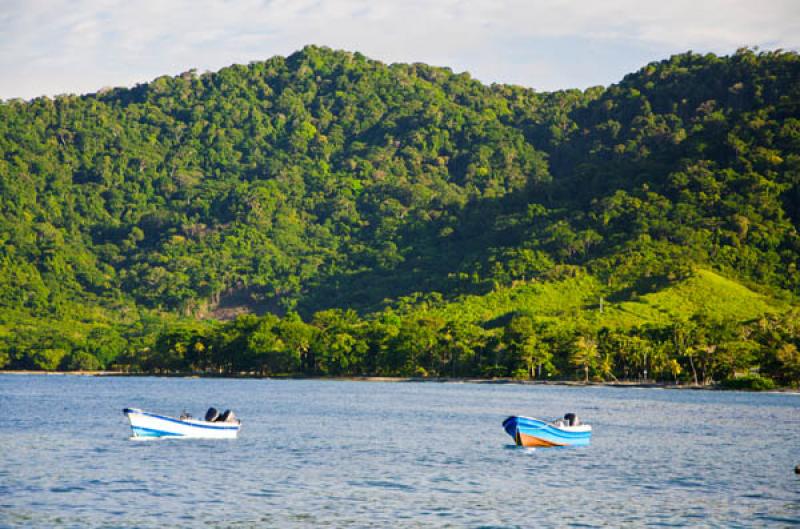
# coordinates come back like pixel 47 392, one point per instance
pixel 138 431
pixel 178 421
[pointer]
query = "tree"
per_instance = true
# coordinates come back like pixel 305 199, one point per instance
pixel 295 337
pixel 464 344
pixel 606 367
pixel 48 359
pixel 584 355
pixel 674 369
pixel 265 350
pixel 682 336
pixel 789 357
pixel 526 350
pixel 641 354
pixel 82 361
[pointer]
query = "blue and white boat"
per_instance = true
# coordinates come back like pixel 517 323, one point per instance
pixel 527 431
pixel 149 425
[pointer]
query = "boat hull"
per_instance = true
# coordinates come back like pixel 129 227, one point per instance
pixel 530 432
pixel 150 425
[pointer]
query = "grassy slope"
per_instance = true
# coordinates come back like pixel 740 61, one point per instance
pixel 540 299
pixel 704 291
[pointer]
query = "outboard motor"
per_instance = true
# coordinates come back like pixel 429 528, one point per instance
pixel 227 416
pixel 212 414
pixel 572 419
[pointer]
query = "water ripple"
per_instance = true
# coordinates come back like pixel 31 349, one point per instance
pixel 340 454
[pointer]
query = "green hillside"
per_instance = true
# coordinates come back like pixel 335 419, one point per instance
pixel 364 218
pixel 702 292
pixel 564 298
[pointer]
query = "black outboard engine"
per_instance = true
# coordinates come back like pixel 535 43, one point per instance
pixel 227 416
pixel 212 414
pixel 572 419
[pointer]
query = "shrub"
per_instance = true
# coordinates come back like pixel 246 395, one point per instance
pixel 521 374
pixel 751 382
pixel 82 361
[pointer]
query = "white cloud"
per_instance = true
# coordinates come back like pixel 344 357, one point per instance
pixel 50 47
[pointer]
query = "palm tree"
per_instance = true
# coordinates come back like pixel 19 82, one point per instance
pixel 584 355
pixel 683 338
pixel 674 368
pixel 606 367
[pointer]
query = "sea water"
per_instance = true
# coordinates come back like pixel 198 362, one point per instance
pixel 369 454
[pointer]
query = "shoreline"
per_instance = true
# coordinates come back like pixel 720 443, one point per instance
pixel 436 380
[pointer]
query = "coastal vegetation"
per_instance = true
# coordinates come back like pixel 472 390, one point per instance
pixel 325 214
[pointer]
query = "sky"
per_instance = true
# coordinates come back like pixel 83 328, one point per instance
pixel 80 46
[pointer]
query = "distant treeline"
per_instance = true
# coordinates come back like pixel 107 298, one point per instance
pixel 340 343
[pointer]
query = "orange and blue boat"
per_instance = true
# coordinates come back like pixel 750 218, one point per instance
pixel 530 432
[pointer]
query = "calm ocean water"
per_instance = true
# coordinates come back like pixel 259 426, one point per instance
pixel 357 454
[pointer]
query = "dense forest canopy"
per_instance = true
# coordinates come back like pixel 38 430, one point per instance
pixel 350 216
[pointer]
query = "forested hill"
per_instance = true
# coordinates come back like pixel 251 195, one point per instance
pixel 326 180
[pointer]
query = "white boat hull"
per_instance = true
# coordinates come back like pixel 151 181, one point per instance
pixel 150 425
